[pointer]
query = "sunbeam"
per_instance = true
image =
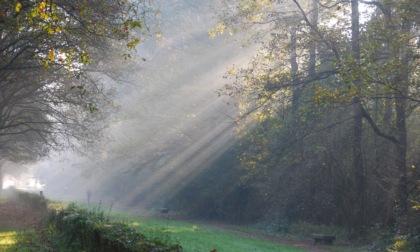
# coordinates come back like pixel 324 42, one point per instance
pixel 171 125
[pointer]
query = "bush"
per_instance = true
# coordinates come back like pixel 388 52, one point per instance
pixel 83 229
pixel 405 243
pixel 32 200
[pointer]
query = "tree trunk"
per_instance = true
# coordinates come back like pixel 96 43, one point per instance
pixel 400 109
pixel 358 169
pixel 313 21
pixel 313 18
pixel 400 104
pixel 294 69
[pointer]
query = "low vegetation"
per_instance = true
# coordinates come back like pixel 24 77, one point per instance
pixel 85 229
pixel 72 228
pixel 77 228
pixel 29 222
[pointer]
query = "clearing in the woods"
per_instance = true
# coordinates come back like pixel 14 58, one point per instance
pixel 17 217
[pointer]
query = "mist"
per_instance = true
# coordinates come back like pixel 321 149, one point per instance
pixel 171 124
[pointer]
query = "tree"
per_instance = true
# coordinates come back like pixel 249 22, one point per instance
pixel 52 53
pixel 350 63
pixel 358 167
pixel 277 89
pixel 397 80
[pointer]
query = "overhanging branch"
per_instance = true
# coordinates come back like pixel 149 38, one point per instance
pixel 375 127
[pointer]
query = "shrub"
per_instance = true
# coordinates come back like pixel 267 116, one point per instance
pixel 32 200
pixel 90 230
pixel 405 243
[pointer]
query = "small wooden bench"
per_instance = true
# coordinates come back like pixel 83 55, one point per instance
pixel 323 239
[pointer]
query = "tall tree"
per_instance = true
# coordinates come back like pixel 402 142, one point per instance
pixel 341 80
pixel 52 55
pixel 358 168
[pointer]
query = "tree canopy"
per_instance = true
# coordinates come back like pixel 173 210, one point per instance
pixel 321 65
pixel 52 54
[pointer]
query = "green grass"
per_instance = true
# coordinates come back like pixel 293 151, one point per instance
pixel 8 241
pixel 193 237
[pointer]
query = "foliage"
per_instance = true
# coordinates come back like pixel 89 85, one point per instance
pixel 53 55
pixel 62 34
pixel 73 228
pixel 34 201
pixel 83 229
pixel 296 102
pixel 407 243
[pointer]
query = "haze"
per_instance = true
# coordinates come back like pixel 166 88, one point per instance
pixel 170 125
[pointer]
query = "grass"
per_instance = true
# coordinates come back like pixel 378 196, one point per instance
pixel 8 241
pixel 20 241
pixel 193 237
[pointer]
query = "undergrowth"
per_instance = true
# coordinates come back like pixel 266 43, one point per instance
pixel 82 229
pixel 72 228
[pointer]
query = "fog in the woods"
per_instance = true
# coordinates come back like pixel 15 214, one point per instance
pixel 285 115
pixel 171 124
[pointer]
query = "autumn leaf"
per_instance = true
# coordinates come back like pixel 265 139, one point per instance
pixel 43 6
pixel 51 54
pixel 18 7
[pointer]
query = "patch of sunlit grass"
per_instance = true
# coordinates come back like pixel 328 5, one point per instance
pixel 194 237
pixel 8 240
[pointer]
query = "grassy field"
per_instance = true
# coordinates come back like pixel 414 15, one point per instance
pixel 193 237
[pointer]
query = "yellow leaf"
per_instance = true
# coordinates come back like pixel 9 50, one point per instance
pixel 51 54
pixel 18 7
pixel 43 6
pixel 50 31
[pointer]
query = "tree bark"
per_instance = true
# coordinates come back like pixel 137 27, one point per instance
pixel 294 69
pixel 358 168
pixel 313 18
pixel 400 109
